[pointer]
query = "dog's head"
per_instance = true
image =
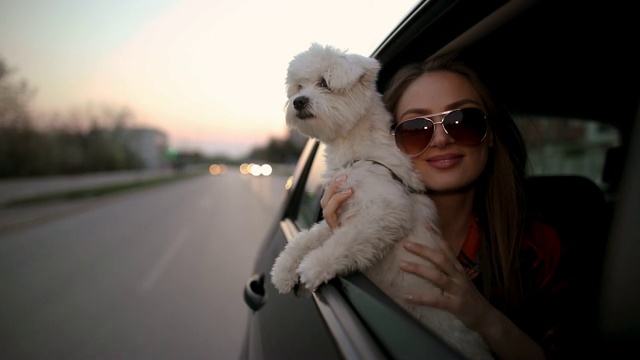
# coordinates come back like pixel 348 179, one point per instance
pixel 329 91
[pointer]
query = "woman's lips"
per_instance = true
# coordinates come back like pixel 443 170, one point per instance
pixel 445 161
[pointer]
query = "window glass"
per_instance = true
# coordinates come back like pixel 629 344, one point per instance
pixel 310 203
pixel 301 164
pixel 574 147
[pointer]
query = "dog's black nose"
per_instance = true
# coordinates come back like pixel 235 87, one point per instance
pixel 300 102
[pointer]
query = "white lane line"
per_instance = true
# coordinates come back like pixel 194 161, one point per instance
pixel 152 277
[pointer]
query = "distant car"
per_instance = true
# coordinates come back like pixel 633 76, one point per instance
pixel 570 73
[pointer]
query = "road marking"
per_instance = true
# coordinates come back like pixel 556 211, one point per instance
pixel 153 276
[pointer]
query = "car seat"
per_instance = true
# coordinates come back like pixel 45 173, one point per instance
pixel 576 207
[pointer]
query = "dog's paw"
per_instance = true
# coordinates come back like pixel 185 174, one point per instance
pixel 283 275
pixel 313 273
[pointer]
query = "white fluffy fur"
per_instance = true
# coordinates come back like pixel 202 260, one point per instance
pixel 333 98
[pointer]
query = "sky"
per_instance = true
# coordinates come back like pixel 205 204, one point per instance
pixel 209 73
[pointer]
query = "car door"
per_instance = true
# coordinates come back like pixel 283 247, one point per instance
pixel 284 326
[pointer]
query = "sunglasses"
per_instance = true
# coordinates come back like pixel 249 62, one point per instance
pixel 466 126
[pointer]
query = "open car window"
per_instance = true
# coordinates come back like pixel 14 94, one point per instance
pixel 309 210
pixel 556 147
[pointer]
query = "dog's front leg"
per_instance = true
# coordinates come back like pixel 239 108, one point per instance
pixel 356 245
pixel 283 274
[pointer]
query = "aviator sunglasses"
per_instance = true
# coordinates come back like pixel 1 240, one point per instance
pixel 466 126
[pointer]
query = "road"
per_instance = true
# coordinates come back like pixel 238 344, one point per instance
pixel 155 274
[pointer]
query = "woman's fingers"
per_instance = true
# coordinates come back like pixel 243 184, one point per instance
pixel 437 277
pixel 443 257
pixel 330 190
pixel 330 213
pixel 331 201
pixel 457 293
pixel 443 270
pixel 453 257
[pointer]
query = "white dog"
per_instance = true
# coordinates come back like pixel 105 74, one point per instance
pixel 333 98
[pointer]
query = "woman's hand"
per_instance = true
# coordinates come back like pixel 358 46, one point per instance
pixel 459 295
pixel 461 298
pixel 332 199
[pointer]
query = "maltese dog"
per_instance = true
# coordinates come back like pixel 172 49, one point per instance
pixel 332 97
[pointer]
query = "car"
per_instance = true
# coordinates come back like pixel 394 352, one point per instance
pixel 569 72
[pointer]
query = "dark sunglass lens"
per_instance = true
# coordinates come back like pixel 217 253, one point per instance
pixel 466 126
pixel 413 136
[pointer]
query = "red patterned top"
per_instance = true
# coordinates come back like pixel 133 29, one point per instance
pixel 542 240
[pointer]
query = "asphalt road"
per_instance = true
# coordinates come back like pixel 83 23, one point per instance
pixel 155 274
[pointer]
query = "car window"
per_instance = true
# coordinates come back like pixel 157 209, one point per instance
pixel 575 147
pixel 309 204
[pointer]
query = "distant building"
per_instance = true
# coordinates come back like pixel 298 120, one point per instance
pixel 150 145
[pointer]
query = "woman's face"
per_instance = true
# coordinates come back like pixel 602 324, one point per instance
pixel 445 166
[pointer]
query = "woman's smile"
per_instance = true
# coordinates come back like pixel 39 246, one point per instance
pixel 445 161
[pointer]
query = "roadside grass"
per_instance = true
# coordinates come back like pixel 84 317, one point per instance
pixel 99 191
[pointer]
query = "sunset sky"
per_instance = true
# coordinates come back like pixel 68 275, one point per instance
pixel 210 73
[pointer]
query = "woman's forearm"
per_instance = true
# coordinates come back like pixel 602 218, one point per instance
pixel 506 340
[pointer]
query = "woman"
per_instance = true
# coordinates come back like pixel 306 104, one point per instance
pixel 496 267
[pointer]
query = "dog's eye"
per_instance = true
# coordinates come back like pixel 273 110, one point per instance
pixel 323 83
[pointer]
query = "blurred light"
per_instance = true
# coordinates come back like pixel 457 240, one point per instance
pixel 217 169
pixel 266 170
pixel 254 169
pixel 289 183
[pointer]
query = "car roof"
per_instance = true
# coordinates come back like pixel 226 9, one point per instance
pixel 540 53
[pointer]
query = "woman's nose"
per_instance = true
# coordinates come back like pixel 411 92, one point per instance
pixel 440 137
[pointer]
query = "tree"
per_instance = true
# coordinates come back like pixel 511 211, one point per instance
pixel 18 138
pixel 277 151
pixel 89 139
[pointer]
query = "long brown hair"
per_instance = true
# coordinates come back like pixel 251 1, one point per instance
pixel 499 201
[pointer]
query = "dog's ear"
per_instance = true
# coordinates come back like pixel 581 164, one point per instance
pixel 351 69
